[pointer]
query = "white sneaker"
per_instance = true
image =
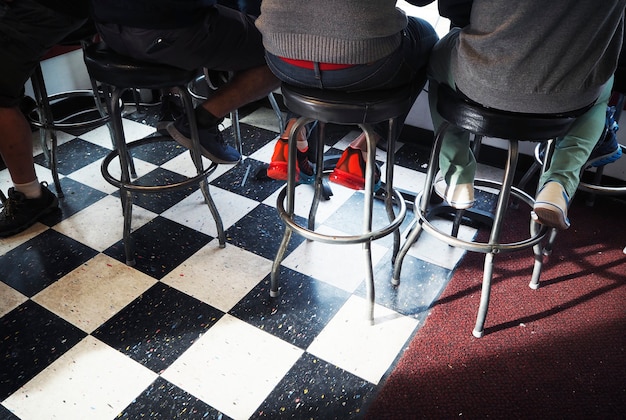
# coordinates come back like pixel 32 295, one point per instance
pixel 550 207
pixel 459 196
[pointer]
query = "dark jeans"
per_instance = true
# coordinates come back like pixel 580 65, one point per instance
pixel 226 40
pixel 405 67
pixel 27 31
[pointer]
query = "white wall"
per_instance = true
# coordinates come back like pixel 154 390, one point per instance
pixel 63 72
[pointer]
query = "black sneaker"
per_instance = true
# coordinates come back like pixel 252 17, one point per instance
pixel 20 213
pixel 212 143
pixel 171 109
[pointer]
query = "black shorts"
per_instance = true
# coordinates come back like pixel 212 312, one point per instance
pixel 27 31
pixel 226 40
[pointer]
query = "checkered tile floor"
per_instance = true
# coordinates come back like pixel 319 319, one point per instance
pixel 191 331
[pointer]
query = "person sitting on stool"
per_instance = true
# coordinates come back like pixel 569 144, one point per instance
pixel 563 64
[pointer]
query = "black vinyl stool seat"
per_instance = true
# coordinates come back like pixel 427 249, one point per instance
pixel 87 100
pixel 361 109
pixel 458 110
pixel 117 73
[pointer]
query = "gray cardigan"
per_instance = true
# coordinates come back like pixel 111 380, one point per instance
pixel 369 29
pixel 536 55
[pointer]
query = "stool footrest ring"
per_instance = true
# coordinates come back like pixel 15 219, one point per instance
pixel 344 239
pixel 477 246
pixel 152 188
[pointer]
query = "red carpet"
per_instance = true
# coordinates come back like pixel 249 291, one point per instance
pixel 555 352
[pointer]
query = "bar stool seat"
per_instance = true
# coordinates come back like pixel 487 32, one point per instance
pixel 361 109
pixel 459 111
pixel 117 73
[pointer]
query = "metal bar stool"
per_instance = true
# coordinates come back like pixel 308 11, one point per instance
pixel 43 116
pixel 361 109
pixel 118 73
pixel 458 110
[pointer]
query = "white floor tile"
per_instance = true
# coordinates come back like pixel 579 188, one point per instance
pixel 430 249
pixel 91 381
pixel 11 299
pixel 233 367
pixel 264 118
pixel 132 131
pixel 304 197
pixel 352 343
pixel 193 212
pixel 102 224
pixel 94 292
pixel 7 244
pixel 342 265
pixel 220 277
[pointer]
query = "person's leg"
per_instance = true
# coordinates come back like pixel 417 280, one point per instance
pixel 456 161
pixel 16 146
pixel 559 183
pixel 572 151
pixel 27 31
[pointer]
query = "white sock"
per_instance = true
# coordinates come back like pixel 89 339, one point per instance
pixel 30 190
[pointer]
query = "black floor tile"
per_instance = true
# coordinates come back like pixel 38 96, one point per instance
pixel 160 246
pixel 74 155
pixel 315 389
pixel 41 261
pixel 242 179
pixel 158 202
pixel 158 326
pixel 302 310
pixel 77 197
pixel 261 231
pixel 163 400
pixel 31 339
pixel 421 284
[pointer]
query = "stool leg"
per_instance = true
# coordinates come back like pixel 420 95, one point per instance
pixel 119 142
pixel 108 95
pixel 196 157
pixel 277 111
pixel 368 208
pixel 540 250
pixel 494 237
pixel 234 118
pixel 421 203
pixel 319 174
pixel 290 190
pixel 389 193
pixel 47 131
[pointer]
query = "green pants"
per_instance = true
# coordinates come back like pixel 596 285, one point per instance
pixel 458 164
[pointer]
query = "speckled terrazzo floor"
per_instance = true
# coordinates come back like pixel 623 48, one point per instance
pixel 190 331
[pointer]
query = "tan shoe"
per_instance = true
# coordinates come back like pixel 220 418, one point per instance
pixel 459 196
pixel 551 205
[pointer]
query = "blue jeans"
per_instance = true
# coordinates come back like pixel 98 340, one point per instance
pixel 405 67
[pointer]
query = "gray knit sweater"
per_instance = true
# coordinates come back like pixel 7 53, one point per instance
pixel 536 55
pixel 331 31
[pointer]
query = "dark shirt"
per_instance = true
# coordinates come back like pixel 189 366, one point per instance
pixel 151 14
pixel 76 8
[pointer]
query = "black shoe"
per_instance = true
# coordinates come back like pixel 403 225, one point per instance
pixel 20 213
pixel 171 110
pixel 212 143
